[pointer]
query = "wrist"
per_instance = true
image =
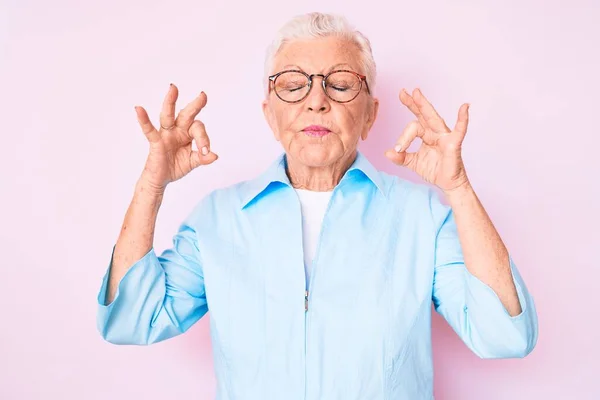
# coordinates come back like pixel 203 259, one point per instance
pixel 145 186
pixel 460 191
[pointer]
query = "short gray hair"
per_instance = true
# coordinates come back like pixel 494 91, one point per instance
pixel 316 25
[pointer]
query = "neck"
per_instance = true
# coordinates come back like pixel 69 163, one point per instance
pixel 318 179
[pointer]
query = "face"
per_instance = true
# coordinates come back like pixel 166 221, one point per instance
pixel 347 122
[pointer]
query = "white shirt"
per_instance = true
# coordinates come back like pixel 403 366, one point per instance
pixel 314 205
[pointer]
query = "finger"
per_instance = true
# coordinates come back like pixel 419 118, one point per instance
pixel 198 132
pixel 187 115
pixel 431 116
pixel 149 130
pixel 410 133
pixel 463 120
pixel 167 114
pixel 403 158
pixel 409 102
pixel 197 159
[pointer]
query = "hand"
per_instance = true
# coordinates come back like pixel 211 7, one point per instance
pixel 438 160
pixel 171 156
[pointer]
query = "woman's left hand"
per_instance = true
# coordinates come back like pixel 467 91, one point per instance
pixel 438 160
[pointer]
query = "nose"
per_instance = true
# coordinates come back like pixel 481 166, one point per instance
pixel 317 100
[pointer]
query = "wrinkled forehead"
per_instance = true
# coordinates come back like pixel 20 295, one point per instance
pixel 316 56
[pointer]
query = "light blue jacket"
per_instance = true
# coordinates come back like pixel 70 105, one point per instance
pixel 388 248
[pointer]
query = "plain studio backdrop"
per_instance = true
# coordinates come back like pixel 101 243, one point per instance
pixel 71 73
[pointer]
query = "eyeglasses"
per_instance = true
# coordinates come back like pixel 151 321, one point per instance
pixel 342 86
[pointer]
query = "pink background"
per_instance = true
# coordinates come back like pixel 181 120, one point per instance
pixel 71 73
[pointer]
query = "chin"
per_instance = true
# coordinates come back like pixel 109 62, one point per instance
pixel 317 155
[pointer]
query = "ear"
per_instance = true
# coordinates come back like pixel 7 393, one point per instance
pixel 372 116
pixel 269 117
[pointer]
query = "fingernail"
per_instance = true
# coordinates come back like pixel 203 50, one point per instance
pixel 170 84
pixel 204 150
pixel 398 148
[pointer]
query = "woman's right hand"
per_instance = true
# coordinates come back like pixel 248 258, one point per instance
pixel 171 156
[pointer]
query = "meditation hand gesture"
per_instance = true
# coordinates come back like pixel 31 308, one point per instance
pixel 171 156
pixel 438 160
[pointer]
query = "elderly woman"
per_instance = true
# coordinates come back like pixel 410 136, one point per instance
pixel 319 273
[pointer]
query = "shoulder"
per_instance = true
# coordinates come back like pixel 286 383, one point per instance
pixel 219 199
pixel 415 198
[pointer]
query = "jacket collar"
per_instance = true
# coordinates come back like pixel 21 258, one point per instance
pixel 275 175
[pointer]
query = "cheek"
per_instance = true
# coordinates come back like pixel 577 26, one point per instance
pixel 352 119
pixel 285 118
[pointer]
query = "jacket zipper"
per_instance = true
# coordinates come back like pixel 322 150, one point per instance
pixel 307 291
pixel 306 300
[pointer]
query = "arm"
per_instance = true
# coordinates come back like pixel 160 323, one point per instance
pixel 144 298
pixel 479 311
pixel 485 255
pixel 158 297
pixel 137 234
pixel 476 286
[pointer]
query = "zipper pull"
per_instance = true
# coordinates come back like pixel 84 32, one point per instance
pixel 306 300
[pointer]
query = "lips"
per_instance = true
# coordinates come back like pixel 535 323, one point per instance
pixel 316 130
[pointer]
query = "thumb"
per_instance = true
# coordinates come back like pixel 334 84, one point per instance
pixel 402 158
pixel 197 159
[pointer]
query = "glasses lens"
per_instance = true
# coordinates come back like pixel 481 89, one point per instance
pixel 343 86
pixel 291 86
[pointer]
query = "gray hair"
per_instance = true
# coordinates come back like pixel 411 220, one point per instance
pixel 317 25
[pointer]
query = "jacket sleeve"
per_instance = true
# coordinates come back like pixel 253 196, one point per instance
pixel 470 306
pixel 159 296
